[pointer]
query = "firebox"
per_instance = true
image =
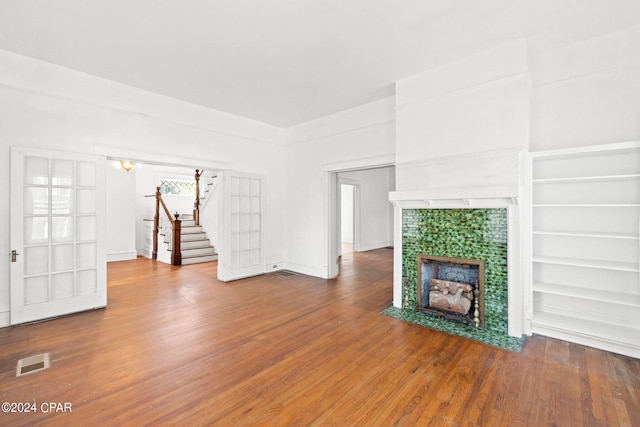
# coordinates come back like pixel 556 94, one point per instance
pixel 451 288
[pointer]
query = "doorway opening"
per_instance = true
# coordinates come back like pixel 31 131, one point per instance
pixel 360 216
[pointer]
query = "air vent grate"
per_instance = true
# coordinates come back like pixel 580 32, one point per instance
pixel 32 364
pixel 285 273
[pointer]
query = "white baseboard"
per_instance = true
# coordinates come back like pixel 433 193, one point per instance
pixel 306 269
pixel 143 252
pixel 122 256
pixel 5 317
pixel 363 247
pixel 613 346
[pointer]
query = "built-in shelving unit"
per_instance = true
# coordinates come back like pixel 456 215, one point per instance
pixel 586 246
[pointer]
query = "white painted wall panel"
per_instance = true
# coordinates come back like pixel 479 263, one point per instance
pixel 316 148
pixel 587 93
pixel 483 118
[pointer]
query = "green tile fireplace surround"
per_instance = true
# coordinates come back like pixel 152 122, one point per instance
pixel 479 234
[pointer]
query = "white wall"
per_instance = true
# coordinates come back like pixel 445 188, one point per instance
pixel 477 104
pixel 363 136
pixel 46 106
pixel 346 213
pixel 586 93
pixel 121 214
pixel 375 213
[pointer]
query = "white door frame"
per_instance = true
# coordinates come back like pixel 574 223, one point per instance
pixel 330 172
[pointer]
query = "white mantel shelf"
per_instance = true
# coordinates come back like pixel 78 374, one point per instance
pixel 457 197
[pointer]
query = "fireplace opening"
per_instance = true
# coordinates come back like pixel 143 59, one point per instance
pixel 451 288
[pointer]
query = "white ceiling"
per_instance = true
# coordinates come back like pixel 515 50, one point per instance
pixel 284 62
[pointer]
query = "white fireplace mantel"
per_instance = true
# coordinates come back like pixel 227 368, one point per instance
pixel 486 193
pixel 502 196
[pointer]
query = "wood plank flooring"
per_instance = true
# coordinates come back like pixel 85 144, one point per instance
pixel 177 347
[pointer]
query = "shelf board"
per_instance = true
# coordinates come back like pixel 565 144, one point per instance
pixel 586 293
pixel 587 205
pixel 629 146
pixel 598 264
pixel 624 236
pixel 578 179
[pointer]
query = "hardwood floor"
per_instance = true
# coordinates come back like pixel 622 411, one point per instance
pixel 177 347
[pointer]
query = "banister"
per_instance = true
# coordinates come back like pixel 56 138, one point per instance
pixel 196 204
pixel 164 206
pixel 176 227
pixel 156 225
pixel 176 251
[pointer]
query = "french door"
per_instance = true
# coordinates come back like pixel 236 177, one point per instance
pixel 57 234
pixel 242 227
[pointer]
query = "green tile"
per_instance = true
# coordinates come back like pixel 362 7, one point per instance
pixel 460 233
pixel 483 335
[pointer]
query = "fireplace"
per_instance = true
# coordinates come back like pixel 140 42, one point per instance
pixel 472 243
pixel 451 288
pixel 473 207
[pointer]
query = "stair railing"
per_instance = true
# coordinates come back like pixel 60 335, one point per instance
pixel 196 204
pixel 174 230
pixel 207 184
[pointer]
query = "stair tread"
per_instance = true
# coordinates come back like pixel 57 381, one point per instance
pixel 199 256
pixel 194 247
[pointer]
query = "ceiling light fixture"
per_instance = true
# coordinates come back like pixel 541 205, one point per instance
pixel 125 164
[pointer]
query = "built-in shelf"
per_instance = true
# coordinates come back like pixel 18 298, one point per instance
pixel 587 206
pixel 600 264
pixel 580 179
pixel 586 293
pixel 590 234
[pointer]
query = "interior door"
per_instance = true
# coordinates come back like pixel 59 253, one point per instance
pixel 58 231
pixel 242 229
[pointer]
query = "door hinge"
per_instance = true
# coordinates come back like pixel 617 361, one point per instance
pixel 14 255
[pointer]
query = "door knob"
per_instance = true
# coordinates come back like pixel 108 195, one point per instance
pixel 14 255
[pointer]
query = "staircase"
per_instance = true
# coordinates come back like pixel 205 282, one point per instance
pixel 194 243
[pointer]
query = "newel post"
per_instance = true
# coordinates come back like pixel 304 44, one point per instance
pixel 176 254
pixel 196 204
pixel 156 225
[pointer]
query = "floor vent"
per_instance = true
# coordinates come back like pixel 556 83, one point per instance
pixel 32 364
pixel 285 273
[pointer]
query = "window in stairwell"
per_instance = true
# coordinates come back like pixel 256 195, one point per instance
pixel 177 187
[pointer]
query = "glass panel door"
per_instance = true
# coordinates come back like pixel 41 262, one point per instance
pixel 57 234
pixel 242 255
